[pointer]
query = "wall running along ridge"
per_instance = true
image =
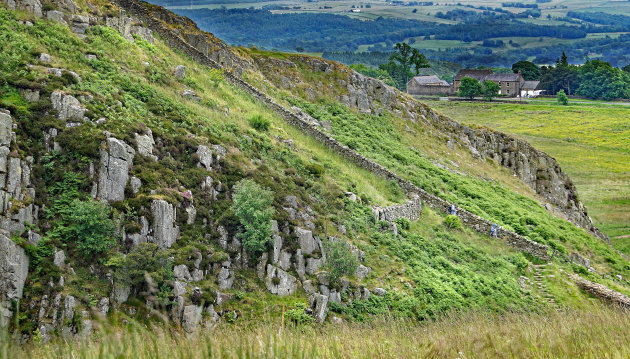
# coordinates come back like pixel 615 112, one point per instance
pixel 306 124
pixel 601 291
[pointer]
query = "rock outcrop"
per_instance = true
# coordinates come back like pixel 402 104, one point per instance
pixel 165 233
pixel 32 6
pixel 114 169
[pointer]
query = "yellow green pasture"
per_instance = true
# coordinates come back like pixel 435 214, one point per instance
pixel 591 141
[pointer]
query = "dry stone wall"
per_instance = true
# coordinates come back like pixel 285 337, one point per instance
pixel 601 291
pixel 411 210
pixel 538 170
pixel 308 126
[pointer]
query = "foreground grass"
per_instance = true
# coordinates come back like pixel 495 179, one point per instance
pixel 591 142
pixel 598 333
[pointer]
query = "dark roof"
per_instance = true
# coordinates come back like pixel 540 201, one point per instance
pixel 475 74
pixel 429 80
pixel 530 85
pixel 503 77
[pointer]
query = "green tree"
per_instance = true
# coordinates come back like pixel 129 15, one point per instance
pixel 562 98
pixel 252 205
pixel 339 260
pixel 490 90
pixel 470 88
pixel 529 70
pixel 598 79
pixel 89 226
pixel 408 58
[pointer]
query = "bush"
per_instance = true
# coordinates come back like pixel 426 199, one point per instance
pixel 452 221
pixel 403 223
pixel 259 123
pixel 339 260
pixel 298 315
pixel 562 98
pixel 88 224
pixel 252 205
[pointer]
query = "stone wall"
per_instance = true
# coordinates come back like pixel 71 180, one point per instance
pixel 307 124
pixel 535 168
pixel 601 291
pixel 411 210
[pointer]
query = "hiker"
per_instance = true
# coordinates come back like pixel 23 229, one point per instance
pixel 453 209
pixel 493 230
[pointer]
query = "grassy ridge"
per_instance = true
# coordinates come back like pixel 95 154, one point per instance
pixel 591 141
pixel 597 333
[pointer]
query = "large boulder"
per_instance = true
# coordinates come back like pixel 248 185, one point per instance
pixel 67 106
pixel 191 318
pixel 165 233
pixel 308 244
pixel 114 169
pixel 13 269
pixel 280 282
pixel 32 6
pixel 145 144
pixel 205 157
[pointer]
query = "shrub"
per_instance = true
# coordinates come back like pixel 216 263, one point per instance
pixel 88 224
pixel 403 223
pixel 562 98
pixel 315 169
pixel 339 260
pixel 259 122
pixel 452 221
pixel 252 205
pixel 298 315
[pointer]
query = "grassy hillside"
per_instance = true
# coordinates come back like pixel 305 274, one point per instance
pixel 428 269
pixel 590 140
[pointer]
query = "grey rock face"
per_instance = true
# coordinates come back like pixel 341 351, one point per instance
pixel 181 273
pixel 220 152
pixel 136 184
pixel 32 6
pixel 13 269
pixel 180 72
pixel 165 233
pixel 179 288
pixel 291 201
pixel 362 271
pixel 143 33
pixel 56 16
pixel 190 95
pixel 121 293
pixel 280 282
pixel 308 245
pixel 191 318
pixel 319 305
pixel 379 291
pixel 79 24
pixel 226 276
pixel 67 106
pixel 145 144
pixel 121 24
pixel 579 259
pixel 313 265
pixel 60 258
pixel 205 157
pixel 114 170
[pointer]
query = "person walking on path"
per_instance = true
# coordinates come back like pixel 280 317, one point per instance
pixel 453 209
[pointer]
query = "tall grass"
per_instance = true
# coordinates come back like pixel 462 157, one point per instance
pixel 600 333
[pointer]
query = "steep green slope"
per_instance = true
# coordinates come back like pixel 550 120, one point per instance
pixel 128 169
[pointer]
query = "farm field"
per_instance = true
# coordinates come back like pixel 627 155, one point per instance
pixel 591 141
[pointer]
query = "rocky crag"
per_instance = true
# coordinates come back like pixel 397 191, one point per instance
pixel 162 215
